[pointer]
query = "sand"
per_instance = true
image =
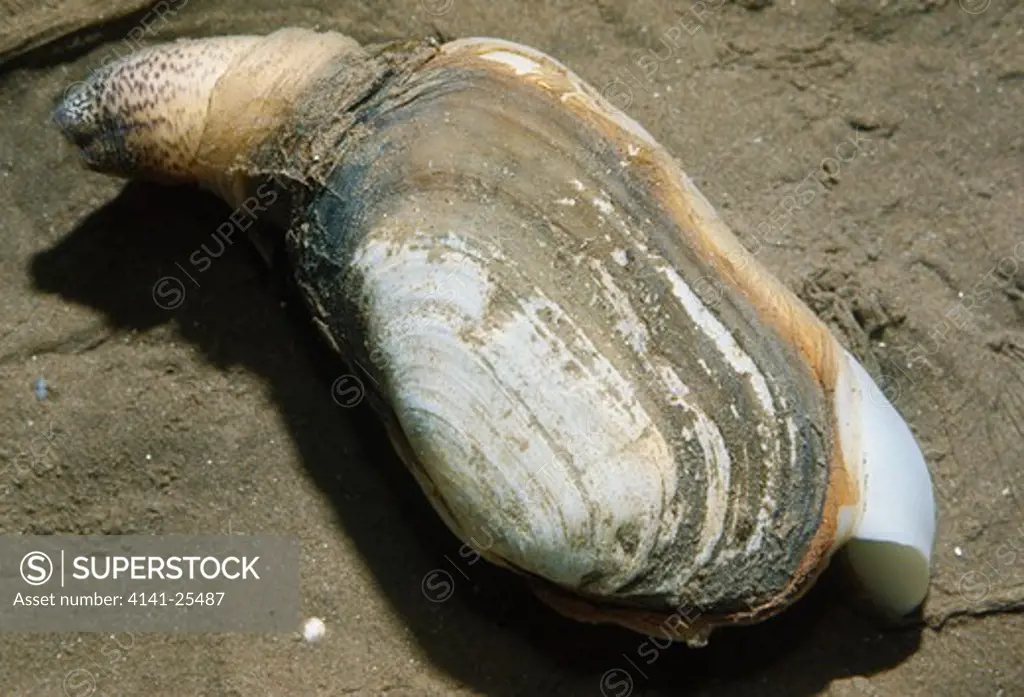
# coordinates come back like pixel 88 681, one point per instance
pixel 217 416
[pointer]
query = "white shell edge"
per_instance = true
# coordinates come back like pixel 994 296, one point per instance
pixel 890 542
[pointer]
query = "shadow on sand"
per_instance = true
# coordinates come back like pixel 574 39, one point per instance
pixel 491 633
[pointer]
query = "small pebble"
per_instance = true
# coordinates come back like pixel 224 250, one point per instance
pixel 41 390
pixel 957 551
pixel 313 629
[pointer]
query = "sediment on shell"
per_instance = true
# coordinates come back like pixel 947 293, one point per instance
pixel 313 141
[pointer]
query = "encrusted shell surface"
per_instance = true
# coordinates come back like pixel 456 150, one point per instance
pixel 538 293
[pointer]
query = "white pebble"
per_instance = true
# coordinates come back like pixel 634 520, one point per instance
pixel 313 629
pixel 957 551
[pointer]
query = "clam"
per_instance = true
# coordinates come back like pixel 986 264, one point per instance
pixel 596 385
